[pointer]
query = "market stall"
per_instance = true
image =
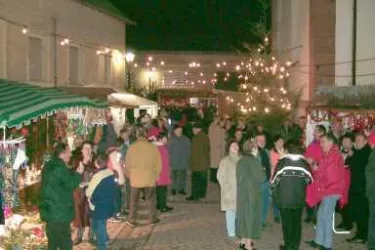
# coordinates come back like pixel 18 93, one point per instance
pixel 351 108
pixel 31 120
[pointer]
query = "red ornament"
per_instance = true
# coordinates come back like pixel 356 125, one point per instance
pixel 24 132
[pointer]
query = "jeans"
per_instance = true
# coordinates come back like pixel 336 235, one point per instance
pixel 371 226
pixel 100 230
pixel 324 232
pixel 179 180
pixel 230 217
pixel 276 211
pixel 292 227
pixel 199 184
pixel 59 236
pixel 266 193
pixel 125 195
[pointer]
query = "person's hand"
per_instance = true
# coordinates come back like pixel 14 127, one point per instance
pixel 310 161
pixel 315 167
pixel 350 152
pixel 80 168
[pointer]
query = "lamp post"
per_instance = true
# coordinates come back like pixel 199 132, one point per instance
pixel 129 57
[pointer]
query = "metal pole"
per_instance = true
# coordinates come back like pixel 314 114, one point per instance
pixel 55 50
pixel 354 48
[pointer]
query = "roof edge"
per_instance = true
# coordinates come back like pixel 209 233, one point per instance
pixel 108 13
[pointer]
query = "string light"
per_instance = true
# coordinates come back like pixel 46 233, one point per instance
pixel 162 63
pixel 150 58
pixel 24 31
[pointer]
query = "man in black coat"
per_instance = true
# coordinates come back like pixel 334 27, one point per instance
pixel 292 175
pixel 358 202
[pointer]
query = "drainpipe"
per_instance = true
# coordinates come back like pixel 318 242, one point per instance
pixel 354 48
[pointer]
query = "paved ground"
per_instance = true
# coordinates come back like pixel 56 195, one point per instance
pixel 197 226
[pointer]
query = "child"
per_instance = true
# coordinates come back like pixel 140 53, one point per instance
pixel 101 194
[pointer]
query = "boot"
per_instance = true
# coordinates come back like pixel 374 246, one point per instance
pixel 78 240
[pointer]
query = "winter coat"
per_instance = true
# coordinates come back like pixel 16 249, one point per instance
pixel 292 175
pixel 357 164
pixel 200 152
pixel 330 176
pixel 314 151
pixel 179 152
pixel 56 195
pixel 249 176
pixel 109 138
pixel 226 175
pixel 370 177
pixel 217 137
pixel 143 164
pixel 164 177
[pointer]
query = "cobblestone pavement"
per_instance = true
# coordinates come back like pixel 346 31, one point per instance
pixel 198 226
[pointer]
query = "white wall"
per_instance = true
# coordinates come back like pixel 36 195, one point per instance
pixel 365 42
pixel 75 21
pixel 343 42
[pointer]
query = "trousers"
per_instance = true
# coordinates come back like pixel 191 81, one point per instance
pixel 291 220
pixel 179 180
pixel 359 213
pixel 100 230
pixel 371 225
pixel 59 236
pixel 324 232
pixel 199 184
pixel 230 218
pixel 134 200
pixel 161 197
pixel 266 195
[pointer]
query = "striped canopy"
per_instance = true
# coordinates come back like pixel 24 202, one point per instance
pixel 21 102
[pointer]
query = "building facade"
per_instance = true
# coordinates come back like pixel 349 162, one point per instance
pixel 61 42
pixel 317 35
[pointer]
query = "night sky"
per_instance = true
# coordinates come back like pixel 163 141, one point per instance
pixel 195 25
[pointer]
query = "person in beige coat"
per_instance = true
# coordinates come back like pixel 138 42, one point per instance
pixel 142 167
pixel 226 176
pixel 217 135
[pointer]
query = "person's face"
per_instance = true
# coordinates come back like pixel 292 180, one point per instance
pixel 302 121
pixel 317 134
pixel 178 132
pixel 260 129
pixel 287 123
pixel 360 141
pixel 234 148
pixel 66 155
pixel 347 143
pixel 87 150
pixel 124 135
pixel 326 144
pixel 279 143
pixel 241 123
pixel 261 141
pixel 78 142
pixel 164 140
pixel 196 131
pixel 238 135
pixel 228 124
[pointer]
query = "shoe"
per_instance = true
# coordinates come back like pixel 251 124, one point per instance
pixel 166 209
pixel 182 192
pixel 114 220
pixel 174 192
pixel 242 247
pixel 277 219
pixel 342 227
pixel 122 216
pixel 191 198
pixel 130 224
pixel 313 244
pixel 356 240
pixel 281 247
pixel 202 200
pixel 308 220
pixel 154 222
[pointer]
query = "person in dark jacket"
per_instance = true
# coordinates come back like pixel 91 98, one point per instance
pixel 370 193
pixel 179 148
pixel 199 162
pixel 109 137
pixel 292 175
pixel 56 199
pixel 358 202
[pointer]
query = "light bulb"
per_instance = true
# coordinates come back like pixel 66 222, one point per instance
pixel 150 58
pixel 24 31
pixel 162 63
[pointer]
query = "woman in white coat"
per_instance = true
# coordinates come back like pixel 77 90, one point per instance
pixel 226 176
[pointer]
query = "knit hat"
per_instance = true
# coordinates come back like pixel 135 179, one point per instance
pixel 371 138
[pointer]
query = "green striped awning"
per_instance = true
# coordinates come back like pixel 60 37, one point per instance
pixel 21 102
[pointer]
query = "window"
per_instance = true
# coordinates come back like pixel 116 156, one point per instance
pixel 73 65
pixel 35 59
pixel 107 69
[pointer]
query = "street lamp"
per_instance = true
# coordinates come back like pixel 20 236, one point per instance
pixel 129 57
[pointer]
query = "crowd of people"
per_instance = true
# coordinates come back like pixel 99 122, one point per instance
pixel 256 170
